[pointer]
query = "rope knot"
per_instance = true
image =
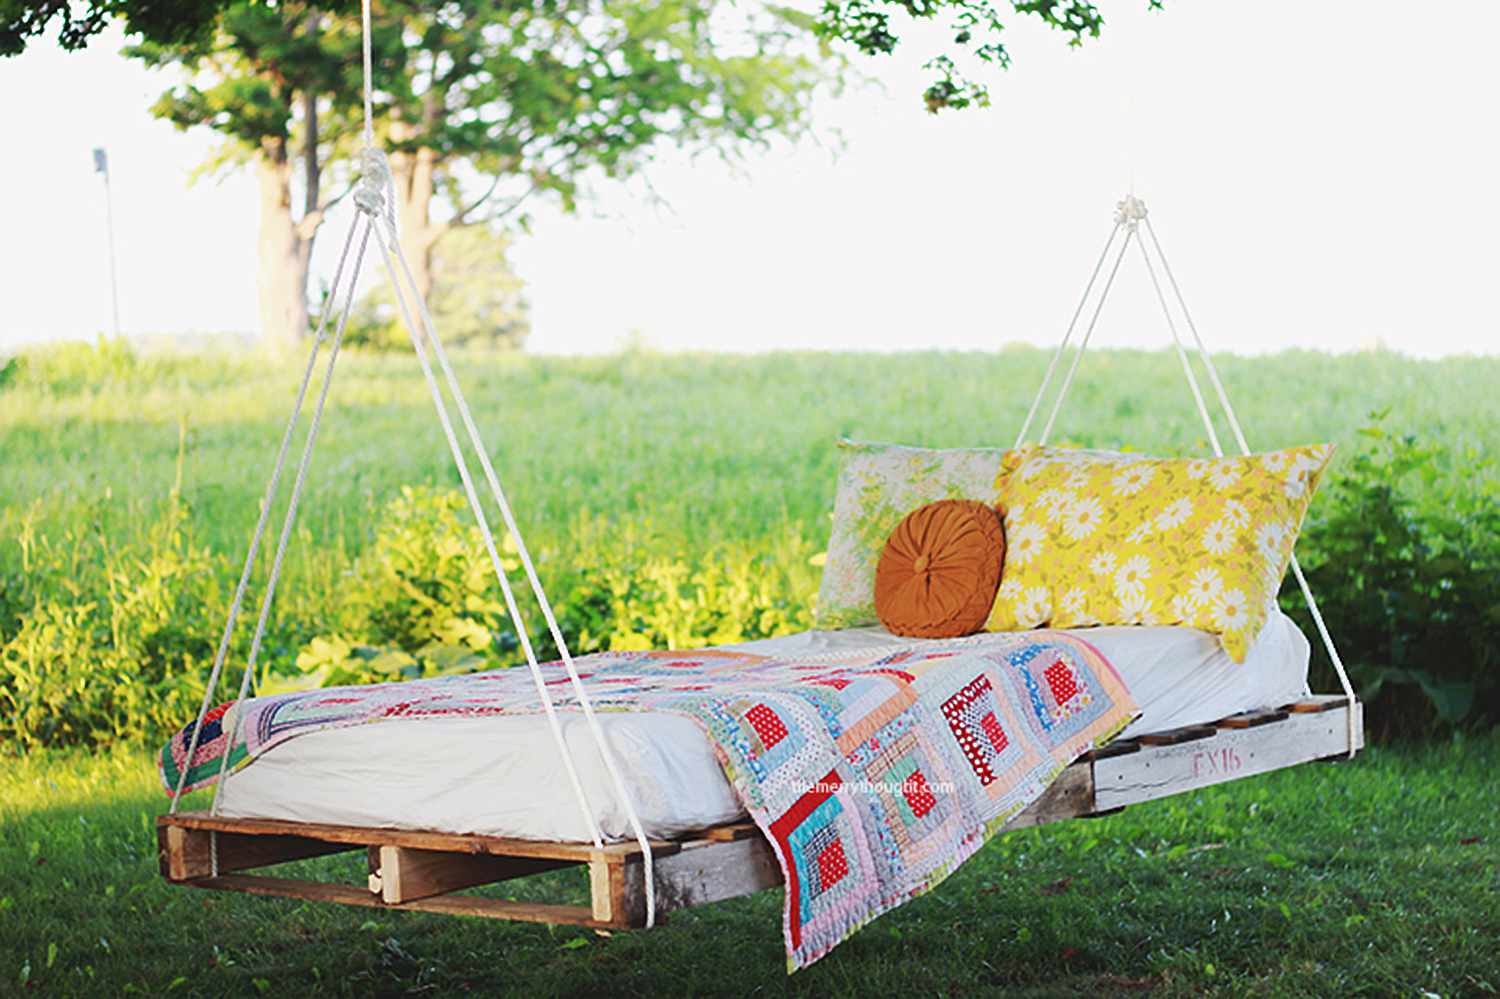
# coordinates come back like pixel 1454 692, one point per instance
pixel 1130 212
pixel 376 193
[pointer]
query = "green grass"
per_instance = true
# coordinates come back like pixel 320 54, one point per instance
pixel 707 447
pixel 1379 877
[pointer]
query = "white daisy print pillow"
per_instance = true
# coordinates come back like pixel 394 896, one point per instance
pixel 1100 537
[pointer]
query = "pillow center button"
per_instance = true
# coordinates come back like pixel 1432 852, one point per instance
pixel 920 565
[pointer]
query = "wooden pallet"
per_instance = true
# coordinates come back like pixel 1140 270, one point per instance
pixel 418 871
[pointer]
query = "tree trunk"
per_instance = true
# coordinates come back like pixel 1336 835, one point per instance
pixel 284 252
pixel 415 175
pixel 286 242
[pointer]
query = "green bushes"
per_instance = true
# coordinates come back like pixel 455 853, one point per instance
pixel 107 629
pixel 422 600
pixel 624 587
pixel 1410 587
pixel 669 500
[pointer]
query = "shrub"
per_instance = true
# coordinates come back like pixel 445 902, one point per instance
pixel 420 600
pixel 423 599
pixel 112 643
pixel 629 587
pixel 1411 590
pixel 108 626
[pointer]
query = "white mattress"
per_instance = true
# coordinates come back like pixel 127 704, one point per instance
pixel 502 776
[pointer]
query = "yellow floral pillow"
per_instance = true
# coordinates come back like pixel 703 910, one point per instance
pixel 1098 537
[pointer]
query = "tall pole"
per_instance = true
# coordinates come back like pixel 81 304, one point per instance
pixel 101 166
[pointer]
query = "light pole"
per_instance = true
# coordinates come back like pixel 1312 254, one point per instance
pixel 101 166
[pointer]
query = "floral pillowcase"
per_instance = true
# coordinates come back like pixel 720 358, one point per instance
pixel 1098 537
pixel 878 485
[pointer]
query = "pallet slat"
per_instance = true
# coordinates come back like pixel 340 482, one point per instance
pixel 1172 737
pixel 450 905
pixel 1119 747
pixel 1070 795
pixel 183 854
pixel 1170 768
pixel 416 839
pixel 1317 704
pixel 1250 719
pixel 708 872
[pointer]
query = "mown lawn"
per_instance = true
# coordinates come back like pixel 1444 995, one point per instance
pixel 1379 877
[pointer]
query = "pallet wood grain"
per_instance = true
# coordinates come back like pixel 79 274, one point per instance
pixel 1162 770
pixel 1071 795
pixel 416 839
pixel 709 871
pixel 183 854
pixel 1172 737
pixel 1250 719
pixel 404 873
pixel 450 905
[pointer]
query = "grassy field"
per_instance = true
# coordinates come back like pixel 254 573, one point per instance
pixel 704 447
pixel 1375 878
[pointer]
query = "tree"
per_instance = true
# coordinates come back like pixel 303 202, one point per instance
pixel 534 98
pixel 867 25
pixel 162 21
pixel 272 80
pixel 477 299
pixel 976 27
pixel 537 98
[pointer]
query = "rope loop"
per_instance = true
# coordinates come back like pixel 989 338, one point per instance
pixel 376 193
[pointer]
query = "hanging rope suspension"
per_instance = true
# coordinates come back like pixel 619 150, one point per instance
pixel 374 197
pixel 260 527
pixel 1131 214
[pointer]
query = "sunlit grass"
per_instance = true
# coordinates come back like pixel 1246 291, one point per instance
pixel 1378 877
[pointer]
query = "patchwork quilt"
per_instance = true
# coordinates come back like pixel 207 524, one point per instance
pixel 873 774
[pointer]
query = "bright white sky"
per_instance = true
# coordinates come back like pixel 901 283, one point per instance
pixel 1322 175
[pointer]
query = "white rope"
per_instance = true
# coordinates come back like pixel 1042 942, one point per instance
pixel 1239 435
pixel 288 520
pixel 377 187
pixel 1036 400
pixel 369 74
pixel 1187 368
pixel 260 527
pixel 584 702
pixel 1088 333
pixel 489 541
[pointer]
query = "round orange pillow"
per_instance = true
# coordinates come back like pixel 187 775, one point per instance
pixel 940 569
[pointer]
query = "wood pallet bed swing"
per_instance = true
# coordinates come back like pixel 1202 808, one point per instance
pixel 636 881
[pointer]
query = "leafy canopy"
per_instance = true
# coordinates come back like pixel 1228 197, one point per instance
pixel 530 97
pixel 872 27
